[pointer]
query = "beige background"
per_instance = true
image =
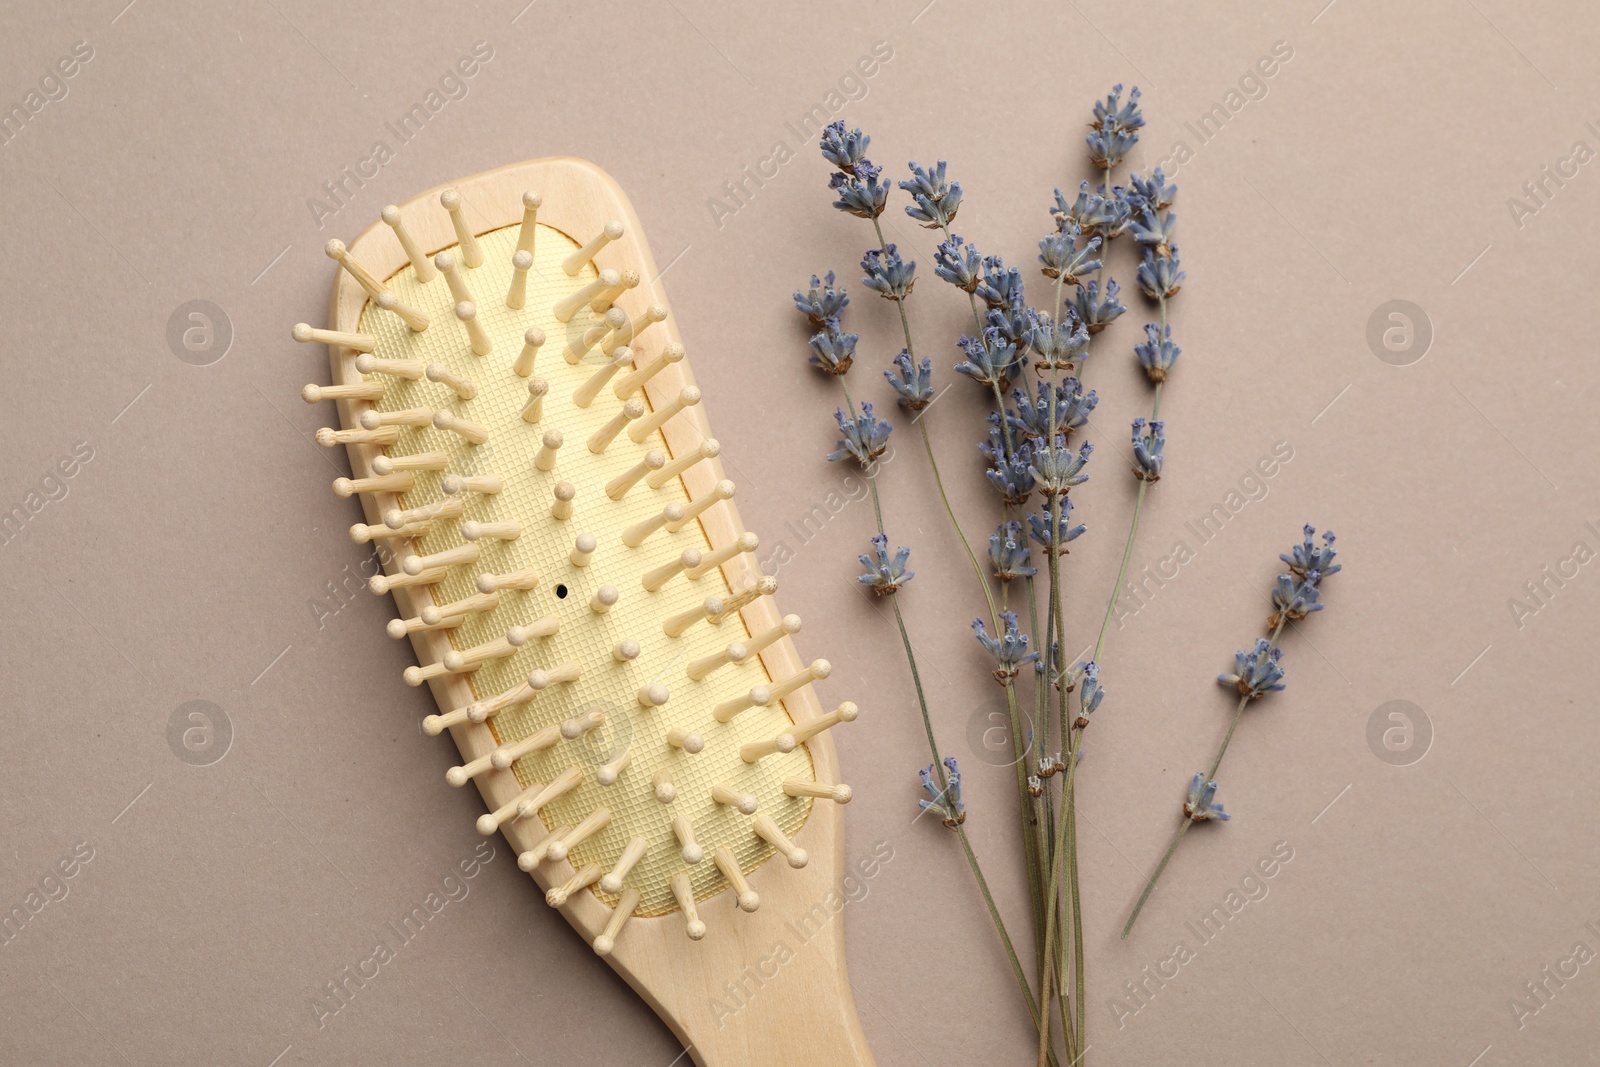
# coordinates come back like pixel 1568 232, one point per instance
pixel 186 560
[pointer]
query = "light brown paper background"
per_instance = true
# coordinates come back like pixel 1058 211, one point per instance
pixel 186 557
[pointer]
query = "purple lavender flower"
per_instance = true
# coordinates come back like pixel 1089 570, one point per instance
pixel 1072 408
pixel 1062 258
pixel 1090 694
pixel 947 805
pixel 1057 468
pixel 1110 145
pixel 993 446
pixel 1014 476
pixel 1155 193
pixel 1114 113
pixel 844 149
pixel 991 359
pixel 1147 445
pixel 1309 556
pixel 887 274
pixel 825 300
pixel 913 382
pixel 1098 211
pixel 958 263
pixel 936 200
pixel 885 574
pixel 1009 649
pixel 1001 287
pixel 1008 552
pixel 1202 803
pixel 1059 346
pixel 832 349
pixel 866 437
pixel 1039 528
pixel 1256 672
pixel 1295 597
pixel 1160 276
pixel 1153 230
pixel 860 193
pixel 1096 313
pixel 1158 353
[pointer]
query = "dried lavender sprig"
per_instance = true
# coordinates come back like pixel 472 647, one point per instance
pixel 1257 672
pixel 1115 133
pixel 996 353
pixel 823 306
pixel 1152 223
pixel 935 202
pixel 991 357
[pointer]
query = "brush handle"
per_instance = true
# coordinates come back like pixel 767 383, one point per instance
pixel 817 1028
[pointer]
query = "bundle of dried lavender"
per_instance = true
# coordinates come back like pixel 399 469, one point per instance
pixel 1029 453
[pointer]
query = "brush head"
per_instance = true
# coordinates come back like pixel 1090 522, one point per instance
pixel 630 731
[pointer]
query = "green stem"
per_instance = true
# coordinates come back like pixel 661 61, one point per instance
pixel 1122 572
pixel 938 762
pixel 1000 926
pixel 1149 886
pixel 977 568
pixel 1222 750
pixel 1030 823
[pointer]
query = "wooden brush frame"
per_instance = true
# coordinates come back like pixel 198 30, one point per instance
pixel 805 1013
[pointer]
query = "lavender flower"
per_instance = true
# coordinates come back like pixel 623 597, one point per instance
pixel 946 805
pixel 885 575
pixel 1010 649
pixel 860 193
pixel 1160 276
pixel 887 274
pixel 1114 128
pixel 1097 211
pixel 1001 286
pixel 958 263
pixel 825 300
pixel 1072 408
pixel 991 359
pixel 1113 113
pixel 993 446
pixel 936 200
pixel 1154 231
pixel 1057 469
pixel 1097 313
pixel 1309 556
pixel 1062 258
pixel 1155 193
pixel 1091 694
pixel 1013 324
pixel 866 437
pixel 844 149
pixel 1039 528
pixel 1110 145
pixel 1295 598
pixel 914 383
pixel 1158 353
pixel 1147 445
pixel 1201 805
pixel 1060 346
pixel 1256 672
pixel 1014 476
pixel 1008 551
pixel 832 349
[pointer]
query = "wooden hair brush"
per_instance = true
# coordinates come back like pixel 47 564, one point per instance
pixel 562 545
